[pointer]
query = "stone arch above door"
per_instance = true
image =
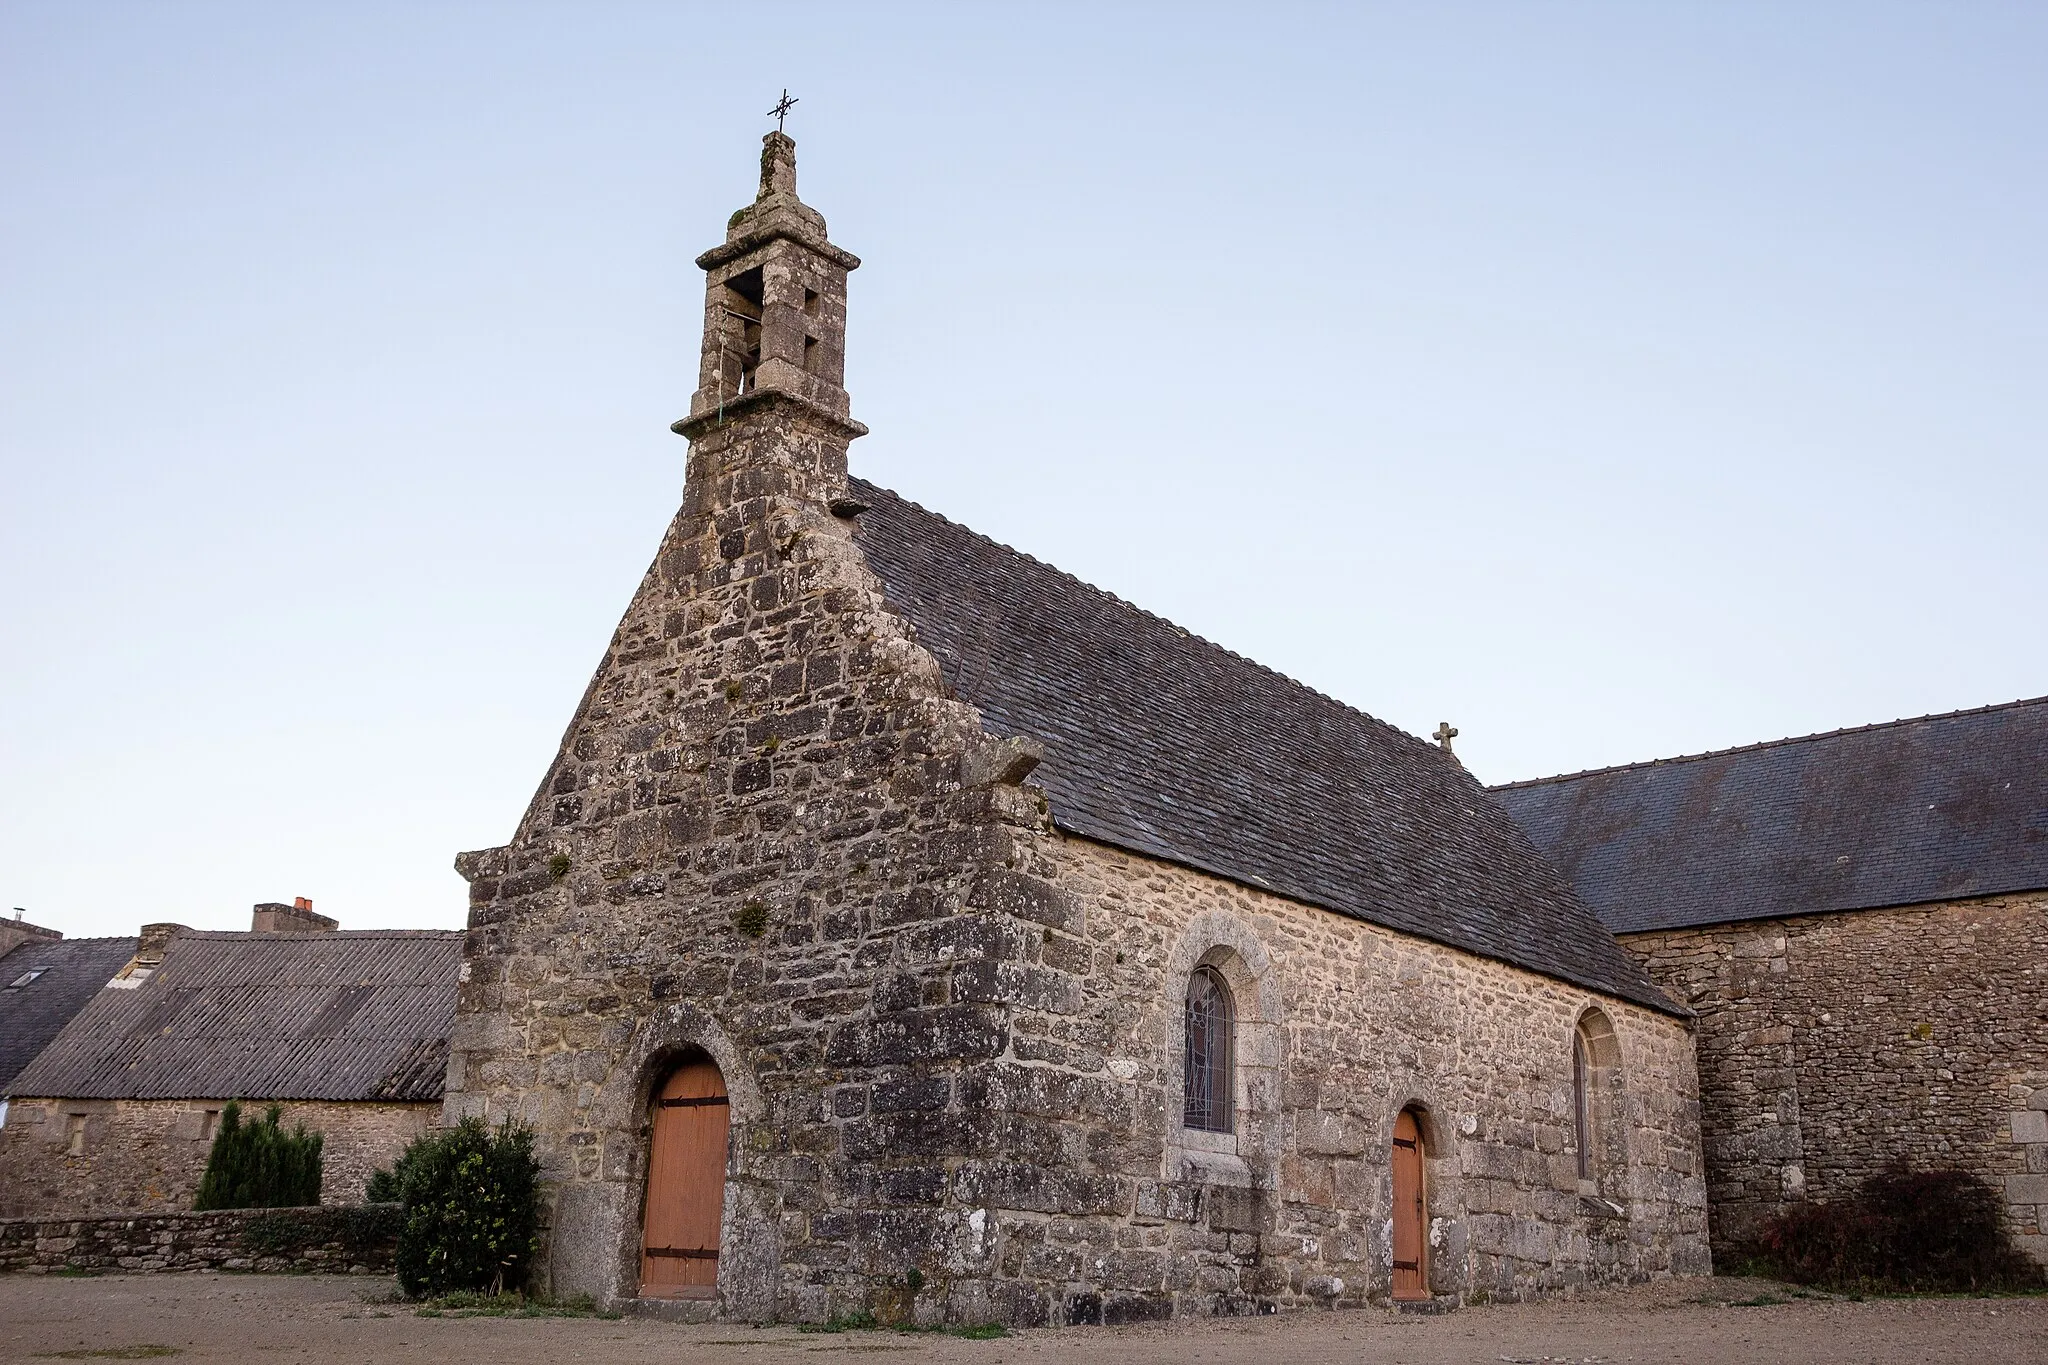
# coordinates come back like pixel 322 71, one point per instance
pixel 594 1246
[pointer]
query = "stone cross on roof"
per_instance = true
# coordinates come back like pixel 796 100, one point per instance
pixel 1445 733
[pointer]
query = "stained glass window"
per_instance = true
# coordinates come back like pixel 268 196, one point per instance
pixel 1211 1024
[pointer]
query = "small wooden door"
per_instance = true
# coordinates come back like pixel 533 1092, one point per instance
pixel 685 1185
pixel 1411 1212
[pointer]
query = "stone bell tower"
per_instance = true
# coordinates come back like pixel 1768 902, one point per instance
pixel 774 351
pixel 775 857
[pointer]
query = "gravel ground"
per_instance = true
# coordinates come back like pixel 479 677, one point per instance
pixel 318 1318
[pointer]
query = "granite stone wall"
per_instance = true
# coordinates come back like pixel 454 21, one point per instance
pixel 329 1241
pixel 1344 1024
pixel 1832 1047
pixel 66 1158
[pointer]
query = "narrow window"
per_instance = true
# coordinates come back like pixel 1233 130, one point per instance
pixel 74 1135
pixel 209 1124
pixel 811 302
pixel 1582 1104
pixel 1211 1024
pixel 1600 1152
pixel 811 355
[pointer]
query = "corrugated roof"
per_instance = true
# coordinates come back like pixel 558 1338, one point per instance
pixel 1931 809
pixel 359 1015
pixel 66 973
pixel 1167 745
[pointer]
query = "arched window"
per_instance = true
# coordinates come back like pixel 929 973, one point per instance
pixel 1582 1102
pixel 1211 1028
pixel 1596 1074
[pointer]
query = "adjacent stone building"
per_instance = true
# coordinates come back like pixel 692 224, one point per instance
pixel 1860 920
pixel 905 926
pixel 346 1030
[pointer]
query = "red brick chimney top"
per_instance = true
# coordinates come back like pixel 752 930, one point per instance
pixel 296 918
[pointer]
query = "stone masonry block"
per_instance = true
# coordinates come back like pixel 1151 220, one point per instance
pixel 1014 893
pixel 2026 1189
pixel 1318 1132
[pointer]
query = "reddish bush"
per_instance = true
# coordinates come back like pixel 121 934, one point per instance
pixel 1909 1230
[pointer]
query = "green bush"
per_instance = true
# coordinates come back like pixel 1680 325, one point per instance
pixel 384 1188
pixel 1904 1230
pixel 471 1209
pixel 260 1165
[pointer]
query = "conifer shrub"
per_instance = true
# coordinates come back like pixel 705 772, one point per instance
pixel 1917 1231
pixel 260 1165
pixel 384 1188
pixel 471 1209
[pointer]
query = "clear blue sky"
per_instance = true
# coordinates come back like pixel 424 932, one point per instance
pixel 1612 380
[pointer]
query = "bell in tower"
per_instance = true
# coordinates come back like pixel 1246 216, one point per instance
pixel 774 312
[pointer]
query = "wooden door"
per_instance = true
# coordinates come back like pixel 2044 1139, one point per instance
pixel 1411 1213
pixel 685 1186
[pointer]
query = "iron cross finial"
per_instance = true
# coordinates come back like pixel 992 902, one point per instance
pixel 782 108
pixel 1445 733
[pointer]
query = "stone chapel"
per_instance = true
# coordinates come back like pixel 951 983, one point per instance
pixel 905 926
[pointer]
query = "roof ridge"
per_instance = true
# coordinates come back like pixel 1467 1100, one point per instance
pixel 93 938
pixel 1203 640
pixel 1757 745
pixel 311 935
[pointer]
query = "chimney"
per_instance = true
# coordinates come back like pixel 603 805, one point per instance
pixel 149 950
pixel 149 955
pixel 296 918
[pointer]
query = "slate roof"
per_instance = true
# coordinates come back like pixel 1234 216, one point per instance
pixel 72 969
pixel 1932 809
pixel 361 1015
pixel 1164 744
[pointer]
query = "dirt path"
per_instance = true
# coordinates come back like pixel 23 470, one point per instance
pixel 318 1319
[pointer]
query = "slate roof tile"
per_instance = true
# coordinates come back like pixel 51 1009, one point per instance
pixel 1167 745
pixel 1930 809
pixel 69 972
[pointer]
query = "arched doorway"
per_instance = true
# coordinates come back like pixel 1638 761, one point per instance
pixel 1411 1211
pixel 685 1185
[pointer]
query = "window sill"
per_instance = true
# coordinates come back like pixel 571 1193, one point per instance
pixel 1593 1206
pixel 1206 1158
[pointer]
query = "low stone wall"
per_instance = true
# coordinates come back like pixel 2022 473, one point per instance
pixel 357 1240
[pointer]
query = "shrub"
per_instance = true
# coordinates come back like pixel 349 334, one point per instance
pixel 388 1187
pixel 1905 1230
pixel 260 1165
pixel 471 1209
